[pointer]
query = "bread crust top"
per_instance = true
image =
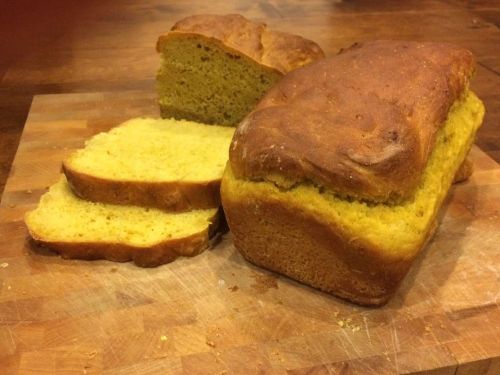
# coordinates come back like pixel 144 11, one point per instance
pixel 361 124
pixel 280 51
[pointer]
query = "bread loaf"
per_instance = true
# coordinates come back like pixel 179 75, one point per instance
pixel 76 228
pixel 215 68
pixel 336 178
pixel 168 164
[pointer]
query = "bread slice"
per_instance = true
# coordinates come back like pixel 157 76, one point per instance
pixel 284 218
pixel 168 164
pixel 76 228
pixel 215 68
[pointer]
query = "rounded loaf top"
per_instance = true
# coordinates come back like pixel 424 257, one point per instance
pixel 361 124
pixel 281 51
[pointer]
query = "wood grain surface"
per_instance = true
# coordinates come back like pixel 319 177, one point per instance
pixel 216 313
pixel 63 46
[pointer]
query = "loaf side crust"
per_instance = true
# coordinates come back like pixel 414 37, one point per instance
pixel 280 51
pixel 161 253
pixel 231 50
pixel 311 251
pixel 172 196
pixel 361 124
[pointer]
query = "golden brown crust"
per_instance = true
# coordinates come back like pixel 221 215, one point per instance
pixel 280 51
pixel 293 242
pixel 465 171
pixel 361 123
pixel 173 196
pixel 164 252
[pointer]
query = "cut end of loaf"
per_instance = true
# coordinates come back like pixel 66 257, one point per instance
pixel 202 80
pixel 215 68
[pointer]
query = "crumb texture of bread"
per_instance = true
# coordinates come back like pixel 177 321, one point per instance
pixel 80 229
pixel 372 114
pixel 353 249
pixel 164 163
pixel 215 68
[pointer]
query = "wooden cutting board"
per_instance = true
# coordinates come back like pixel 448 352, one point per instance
pixel 216 313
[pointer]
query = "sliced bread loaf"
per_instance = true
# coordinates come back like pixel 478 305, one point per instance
pixel 216 67
pixel 76 228
pixel 169 164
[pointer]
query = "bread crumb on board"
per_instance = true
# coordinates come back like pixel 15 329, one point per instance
pixel 210 343
pixel 347 323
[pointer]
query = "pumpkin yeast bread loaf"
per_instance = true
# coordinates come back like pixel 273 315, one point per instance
pixel 168 164
pixel 335 179
pixel 216 67
pixel 86 230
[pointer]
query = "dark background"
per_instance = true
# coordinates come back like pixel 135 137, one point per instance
pixel 69 46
